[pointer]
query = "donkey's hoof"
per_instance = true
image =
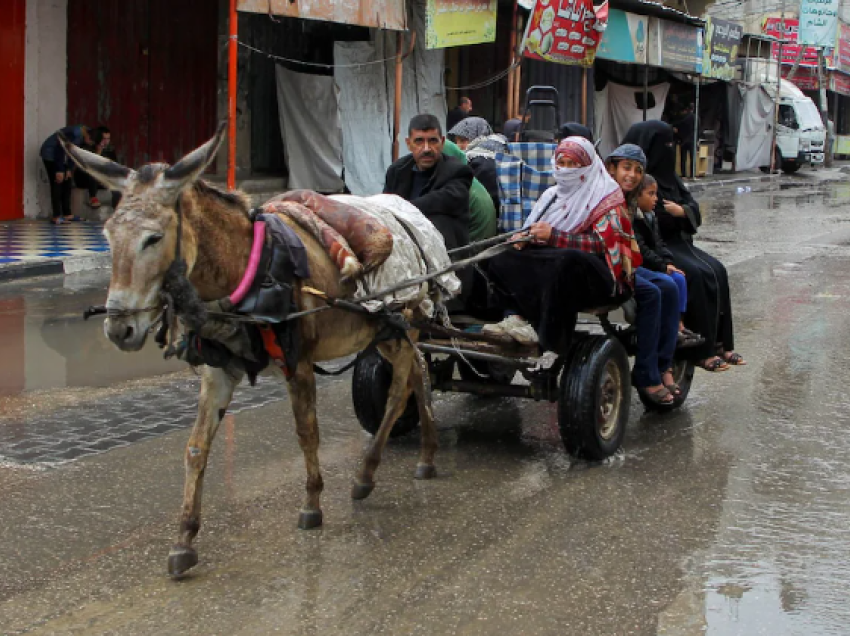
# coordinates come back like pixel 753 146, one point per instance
pixel 309 519
pixel 180 560
pixel 425 471
pixel 361 491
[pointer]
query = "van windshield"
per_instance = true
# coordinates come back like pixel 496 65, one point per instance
pixel 808 115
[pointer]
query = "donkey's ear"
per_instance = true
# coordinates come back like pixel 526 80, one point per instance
pixel 111 174
pixel 190 167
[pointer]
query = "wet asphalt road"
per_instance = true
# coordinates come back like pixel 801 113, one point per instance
pixel 730 516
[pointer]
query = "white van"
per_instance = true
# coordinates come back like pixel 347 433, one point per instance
pixel 800 133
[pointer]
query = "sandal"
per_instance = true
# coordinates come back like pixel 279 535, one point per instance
pixel 715 366
pixel 674 388
pixel 94 203
pixel 58 221
pixel 735 359
pixel 661 397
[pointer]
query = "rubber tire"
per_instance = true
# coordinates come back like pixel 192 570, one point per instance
pixel 580 393
pixel 496 376
pixel 370 384
pixel 790 168
pixel 683 373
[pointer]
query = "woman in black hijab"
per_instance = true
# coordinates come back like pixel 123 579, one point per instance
pixel 574 129
pixel 709 310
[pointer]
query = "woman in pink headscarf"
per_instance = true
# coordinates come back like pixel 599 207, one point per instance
pixel 582 255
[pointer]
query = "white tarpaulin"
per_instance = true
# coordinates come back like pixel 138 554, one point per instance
pixel 366 100
pixel 755 137
pixel 616 108
pixel 310 126
pixel 406 261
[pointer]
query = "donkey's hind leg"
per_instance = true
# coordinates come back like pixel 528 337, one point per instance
pixel 217 387
pixel 399 354
pixel 302 393
pixel 420 383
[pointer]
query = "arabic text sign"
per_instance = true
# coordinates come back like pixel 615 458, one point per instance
pixel 459 22
pixel 677 47
pixel 625 38
pixel 790 48
pixel 381 14
pixel 842 48
pixel 839 83
pixel 722 40
pixel 563 31
pixel 818 22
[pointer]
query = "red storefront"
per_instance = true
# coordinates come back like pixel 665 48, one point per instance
pixel 12 55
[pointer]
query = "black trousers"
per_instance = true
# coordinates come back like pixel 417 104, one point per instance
pixel 60 193
pixel 686 159
pixel 87 182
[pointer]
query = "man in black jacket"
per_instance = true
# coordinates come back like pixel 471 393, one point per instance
pixel 436 184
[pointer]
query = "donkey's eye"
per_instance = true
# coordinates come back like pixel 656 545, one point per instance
pixel 153 239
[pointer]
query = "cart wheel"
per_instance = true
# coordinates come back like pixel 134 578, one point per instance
pixel 487 371
pixel 683 374
pixel 370 385
pixel 595 394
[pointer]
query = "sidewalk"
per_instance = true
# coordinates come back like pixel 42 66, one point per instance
pixel 35 248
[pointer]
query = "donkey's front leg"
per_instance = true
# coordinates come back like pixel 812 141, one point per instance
pixel 400 355
pixel 420 383
pixel 302 393
pixel 216 392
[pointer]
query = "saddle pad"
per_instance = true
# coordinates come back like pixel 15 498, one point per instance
pixel 368 239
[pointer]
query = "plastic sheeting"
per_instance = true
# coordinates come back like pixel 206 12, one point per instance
pixel 310 126
pixel 406 261
pixel 616 109
pixel 367 94
pixel 755 136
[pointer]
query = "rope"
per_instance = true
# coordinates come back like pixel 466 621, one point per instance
pixel 499 76
pixel 316 64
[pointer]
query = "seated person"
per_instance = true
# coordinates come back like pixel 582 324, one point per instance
pixel 101 144
pixel 436 184
pixel 60 168
pixel 481 154
pixel 468 129
pixel 512 127
pixel 582 254
pixel 482 214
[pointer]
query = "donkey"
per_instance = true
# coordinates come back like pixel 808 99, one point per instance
pixel 216 241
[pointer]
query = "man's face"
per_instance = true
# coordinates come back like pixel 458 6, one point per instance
pixel 467 107
pixel 426 146
pixel 106 140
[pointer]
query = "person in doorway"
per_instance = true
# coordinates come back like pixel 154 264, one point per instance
pixel 709 311
pixel 458 113
pixel 436 184
pixel 101 145
pixel 684 129
pixel 60 170
pixel 513 127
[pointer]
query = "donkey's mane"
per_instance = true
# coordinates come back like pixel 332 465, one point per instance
pixel 231 199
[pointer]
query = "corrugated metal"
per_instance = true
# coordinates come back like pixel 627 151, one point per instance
pixel 383 14
pixel 146 69
pixel 12 53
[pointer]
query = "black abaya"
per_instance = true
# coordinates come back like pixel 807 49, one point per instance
pixel 709 311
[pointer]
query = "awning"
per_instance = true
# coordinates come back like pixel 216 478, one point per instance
pixel 380 14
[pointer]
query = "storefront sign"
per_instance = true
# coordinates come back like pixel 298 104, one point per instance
pixel 379 14
pixel 722 39
pixel 674 46
pixel 790 48
pixel 459 22
pixel 818 22
pixel 842 48
pixel 625 38
pixel 839 83
pixel 804 79
pixel 563 31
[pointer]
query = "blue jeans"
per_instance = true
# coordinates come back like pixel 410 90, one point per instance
pixel 657 299
pixel 682 284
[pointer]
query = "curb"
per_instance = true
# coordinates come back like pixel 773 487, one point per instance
pixel 72 265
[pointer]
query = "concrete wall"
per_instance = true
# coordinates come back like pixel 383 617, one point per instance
pixel 45 94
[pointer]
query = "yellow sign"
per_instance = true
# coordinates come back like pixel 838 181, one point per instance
pixel 460 22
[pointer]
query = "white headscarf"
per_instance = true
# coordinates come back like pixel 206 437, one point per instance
pixel 581 195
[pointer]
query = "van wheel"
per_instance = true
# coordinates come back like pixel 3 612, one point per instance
pixel 594 398
pixel 370 385
pixel 790 167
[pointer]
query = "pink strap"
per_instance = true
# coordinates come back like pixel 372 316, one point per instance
pixel 254 262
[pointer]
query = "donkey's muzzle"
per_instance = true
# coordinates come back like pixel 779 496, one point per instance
pixel 125 333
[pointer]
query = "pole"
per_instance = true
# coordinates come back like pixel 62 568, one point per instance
pixel 584 75
pixel 231 97
pixel 512 59
pixel 645 88
pixel 773 165
pixel 695 151
pixel 399 67
pixel 824 108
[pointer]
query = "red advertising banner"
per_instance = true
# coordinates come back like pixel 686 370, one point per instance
pixel 805 79
pixel 790 48
pixel 840 83
pixel 842 49
pixel 564 31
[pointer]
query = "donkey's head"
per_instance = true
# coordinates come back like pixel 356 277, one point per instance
pixel 142 234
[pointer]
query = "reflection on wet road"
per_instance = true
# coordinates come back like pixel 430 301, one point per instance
pixel 727 518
